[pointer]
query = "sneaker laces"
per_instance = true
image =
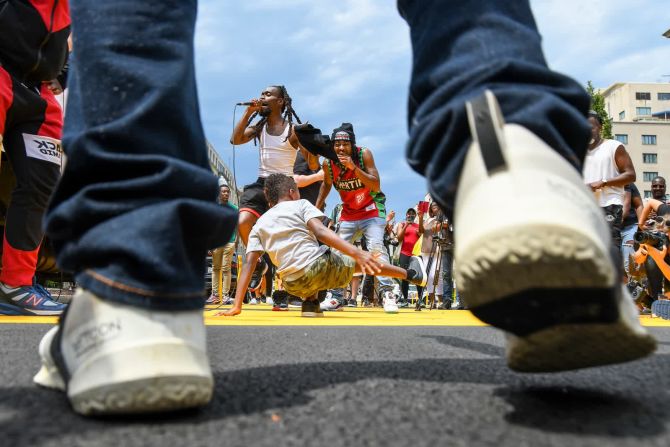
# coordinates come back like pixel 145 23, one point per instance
pixel 42 291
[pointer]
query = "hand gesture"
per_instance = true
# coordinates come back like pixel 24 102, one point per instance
pixel 368 262
pixel 346 161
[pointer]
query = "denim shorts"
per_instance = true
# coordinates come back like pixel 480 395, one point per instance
pixel 330 271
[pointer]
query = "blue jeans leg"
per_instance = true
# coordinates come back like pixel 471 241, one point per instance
pixel 461 48
pixel 627 250
pixel 135 211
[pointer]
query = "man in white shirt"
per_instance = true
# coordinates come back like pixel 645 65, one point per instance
pixel 607 169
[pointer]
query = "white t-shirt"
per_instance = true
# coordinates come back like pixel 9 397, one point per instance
pixel 283 234
pixel 599 164
pixel 276 154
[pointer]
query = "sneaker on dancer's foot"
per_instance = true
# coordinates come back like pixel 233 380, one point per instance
pixel 28 300
pixel 389 301
pixel 311 309
pixel 542 268
pixel 112 358
pixel 257 274
pixel 416 272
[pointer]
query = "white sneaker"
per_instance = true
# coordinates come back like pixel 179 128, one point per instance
pixel 538 264
pixel 113 358
pixel 269 301
pixel 253 301
pixel 390 305
pixel 330 304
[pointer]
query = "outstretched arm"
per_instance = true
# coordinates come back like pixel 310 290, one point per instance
pixel 242 284
pixel 367 261
pixel 325 187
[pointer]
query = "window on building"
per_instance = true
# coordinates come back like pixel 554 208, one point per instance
pixel 649 176
pixel 643 110
pixel 643 95
pixel 622 138
pixel 622 115
pixel 649 139
pixel 664 96
pixel 649 158
pixel 647 194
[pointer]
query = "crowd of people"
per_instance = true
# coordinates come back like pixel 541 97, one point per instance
pixel 490 126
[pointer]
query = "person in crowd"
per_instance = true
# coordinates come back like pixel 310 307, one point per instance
pixel 434 255
pixel 489 123
pixel 655 256
pixel 222 258
pixel 658 189
pixel 278 150
pixel 290 233
pixel 632 208
pixel 356 179
pixel 408 233
pixel 33 54
pixel 607 169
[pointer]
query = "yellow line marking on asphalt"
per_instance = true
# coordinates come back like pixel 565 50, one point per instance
pixel 262 315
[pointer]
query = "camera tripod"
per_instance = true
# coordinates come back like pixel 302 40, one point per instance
pixel 436 256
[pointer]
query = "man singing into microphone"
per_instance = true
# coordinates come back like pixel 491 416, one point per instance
pixel 279 147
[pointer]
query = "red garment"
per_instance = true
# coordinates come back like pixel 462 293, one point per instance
pixel 358 202
pixel 411 236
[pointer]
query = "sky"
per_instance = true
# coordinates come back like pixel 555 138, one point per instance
pixel 350 60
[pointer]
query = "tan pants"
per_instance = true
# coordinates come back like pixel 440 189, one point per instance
pixel 221 260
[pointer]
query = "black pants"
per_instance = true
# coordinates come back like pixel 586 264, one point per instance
pixel 404 285
pixel 31 124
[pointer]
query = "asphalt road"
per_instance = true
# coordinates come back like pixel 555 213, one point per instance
pixel 360 386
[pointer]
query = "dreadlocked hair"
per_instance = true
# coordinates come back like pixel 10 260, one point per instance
pixel 287 113
pixel 277 186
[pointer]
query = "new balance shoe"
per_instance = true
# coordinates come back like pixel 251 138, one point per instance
pixel 538 265
pixel 311 309
pixel 390 304
pixel 213 299
pixel 112 358
pixel 227 300
pixel 28 300
pixel 416 271
pixel 257 274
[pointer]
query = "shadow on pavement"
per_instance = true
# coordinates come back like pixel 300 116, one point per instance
pixel 635 409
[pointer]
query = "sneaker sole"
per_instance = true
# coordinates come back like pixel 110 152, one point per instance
pixel 144 379
pixel 311 314
pixel 532 296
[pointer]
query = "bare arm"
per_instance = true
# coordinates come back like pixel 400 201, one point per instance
pixel 421 223
pixel 312 160
pixel 626 204
pixel 325 187
pixel 366 260
pixel 242 133
pixel 306 180
pixel 624 165
pixel 652 204
pixel 243 283
pixel 368 176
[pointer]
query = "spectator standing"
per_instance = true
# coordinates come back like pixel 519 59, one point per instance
pixel 408 233
pixel 222 259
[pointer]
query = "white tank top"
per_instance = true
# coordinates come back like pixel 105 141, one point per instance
pixel 275 154
pixel 599 164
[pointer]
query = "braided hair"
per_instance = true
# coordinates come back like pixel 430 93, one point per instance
pixel 287 114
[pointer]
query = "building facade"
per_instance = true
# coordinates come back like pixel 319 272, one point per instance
pixel 640 114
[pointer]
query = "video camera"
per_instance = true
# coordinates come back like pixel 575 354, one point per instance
pixel 652 238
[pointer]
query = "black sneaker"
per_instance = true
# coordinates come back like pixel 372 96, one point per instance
pixel 446 305
pixel 311 309
pixel 352 303
pixel 416 272
pixel 257 275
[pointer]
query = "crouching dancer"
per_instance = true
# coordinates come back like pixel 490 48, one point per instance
pixel 290 233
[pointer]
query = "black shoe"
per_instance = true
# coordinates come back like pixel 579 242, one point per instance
pixel 352 303
pixel 403 304
pixel 257 275
pixel 446 305
pixel 311 309
pixel 416 272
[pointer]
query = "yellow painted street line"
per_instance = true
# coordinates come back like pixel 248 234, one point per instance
pixel 262 315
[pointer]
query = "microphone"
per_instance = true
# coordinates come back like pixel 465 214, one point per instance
pixel 248 103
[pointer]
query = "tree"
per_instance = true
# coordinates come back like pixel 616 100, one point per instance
pixel 598 106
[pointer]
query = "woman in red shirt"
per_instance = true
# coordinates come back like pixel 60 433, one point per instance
pixel 408 234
